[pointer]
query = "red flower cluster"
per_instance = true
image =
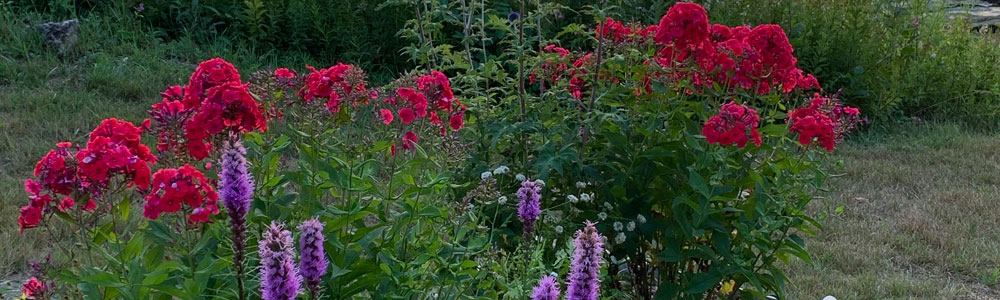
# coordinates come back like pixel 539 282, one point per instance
pixel 430 97
pixel 227 107
pixel 215 100
pixel 620 33
pixel 114 147
pixel 730 126
pixel 436 87
pixel 184 185
pixel 58 177
pixel 283 73
pixel 578 80
pixel 170 118
pixel 335 84
pixel 758 59
pixel 210 73
pixel 33 289
pixel 57 170
pixel 684 25
pixel 551 69
pixel 824 121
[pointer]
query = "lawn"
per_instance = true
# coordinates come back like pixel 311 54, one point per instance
pixel 912 217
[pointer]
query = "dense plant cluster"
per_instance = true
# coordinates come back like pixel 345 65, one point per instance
pixel 681 154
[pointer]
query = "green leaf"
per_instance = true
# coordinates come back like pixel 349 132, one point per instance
pixel 701 282
pixel 698 184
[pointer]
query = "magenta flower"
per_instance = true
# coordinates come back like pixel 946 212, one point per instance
pixel 586 264
pixel 236 191
pixel 547 289
pixel 279 280
pixel 312 259
pixel 529 208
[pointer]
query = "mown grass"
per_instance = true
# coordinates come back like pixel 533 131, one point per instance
pixel 913 216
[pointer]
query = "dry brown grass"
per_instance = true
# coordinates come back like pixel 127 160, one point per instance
pixel 920 220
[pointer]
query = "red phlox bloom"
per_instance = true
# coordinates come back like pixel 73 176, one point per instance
pixel 457 120
pixel 684 24
pixel 410 140
pixel 335 84
pixel 172 188
pixel 227 107
pixel 730 126
pixel 406 116
pixel 210 73
pixel 824 121
pixel 114 147
pixel 168 121
pixel 386 116
pixel 33 288
pixel 284 73
pixel 55 172
pixel 173 93
pixel 66 204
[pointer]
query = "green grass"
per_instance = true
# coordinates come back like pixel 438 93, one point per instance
pixel 917 219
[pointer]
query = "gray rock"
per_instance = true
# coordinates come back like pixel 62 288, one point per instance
pixel 980 13
pixel 60 35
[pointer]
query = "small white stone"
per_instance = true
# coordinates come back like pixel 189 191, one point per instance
pixel 829 298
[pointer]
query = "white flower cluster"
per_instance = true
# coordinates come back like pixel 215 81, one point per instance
pixel 501 170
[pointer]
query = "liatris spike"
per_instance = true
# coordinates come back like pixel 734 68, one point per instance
pixel 583 281
pixel 279 280
pixel 236 190
pixel 547 289
pixel 312 259
pixel 529 208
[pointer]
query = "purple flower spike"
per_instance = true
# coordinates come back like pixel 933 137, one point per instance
pixel 547 289
pixel 312 259
pixel 235 183
pixel 236 191
pixel 279 280
pixel 529 208
pixel 586 264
